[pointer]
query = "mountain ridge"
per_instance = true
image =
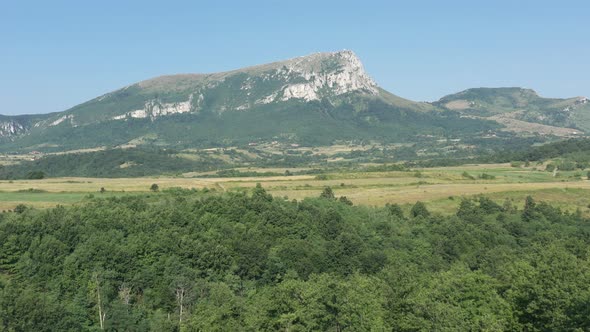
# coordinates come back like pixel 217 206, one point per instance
pixel 520 104
pixel 330 92
pixel 305 78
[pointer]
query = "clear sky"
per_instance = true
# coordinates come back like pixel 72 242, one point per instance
pixel 56 54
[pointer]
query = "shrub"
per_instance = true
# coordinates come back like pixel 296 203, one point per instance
pixel 467 176
pixel 395 210
pixel 419 210
pixel 345 200
pixel 20 208
pixel 327 193
pixel 485 176
pixel 567 166
pixel 35 175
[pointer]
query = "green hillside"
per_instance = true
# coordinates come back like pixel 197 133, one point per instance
pixel 313 100
pixel 521 104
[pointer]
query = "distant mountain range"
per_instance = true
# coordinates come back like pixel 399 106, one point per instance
pixel 318 99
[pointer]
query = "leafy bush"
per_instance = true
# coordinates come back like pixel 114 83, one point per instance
pixel 327 193
pixel 321 177
pixel 567 166
pixel 467 175
pixel 485 176
pixel 32 190
pixel 35 175
pixel 419 210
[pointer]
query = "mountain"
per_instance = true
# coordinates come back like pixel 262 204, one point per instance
pixel 312 100
pixel 522 109
pixel 14 126
pixel 319 99
pixel 311 78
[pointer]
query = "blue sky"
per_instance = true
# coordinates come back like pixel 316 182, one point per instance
pixel 56 54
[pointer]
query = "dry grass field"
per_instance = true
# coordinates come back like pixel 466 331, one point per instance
pixel 441 188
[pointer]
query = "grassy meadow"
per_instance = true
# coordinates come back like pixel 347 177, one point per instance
pixel 441 188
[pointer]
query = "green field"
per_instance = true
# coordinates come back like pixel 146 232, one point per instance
pixel 440 187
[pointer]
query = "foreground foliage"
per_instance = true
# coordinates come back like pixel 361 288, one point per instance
pixel 180 260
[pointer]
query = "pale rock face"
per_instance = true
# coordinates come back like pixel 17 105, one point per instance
pixel 154 109
pixel 247 85
pixel 138 114
pixel 268 99
pixel 62 119
pixel 10 128
pixel 578 102
pixel 196 105
pixel 307 78
pixel 345 75
pixel 300 91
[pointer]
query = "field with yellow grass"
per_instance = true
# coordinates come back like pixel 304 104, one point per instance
pixel 442 188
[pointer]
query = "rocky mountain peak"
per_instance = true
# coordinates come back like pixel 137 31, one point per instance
pixel 340 72
pixel 11 128
pixel 318 76
pixel 306 78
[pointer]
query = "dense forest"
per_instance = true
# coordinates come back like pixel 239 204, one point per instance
pixel 110 163
pixel 571 150
pixel 192 261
